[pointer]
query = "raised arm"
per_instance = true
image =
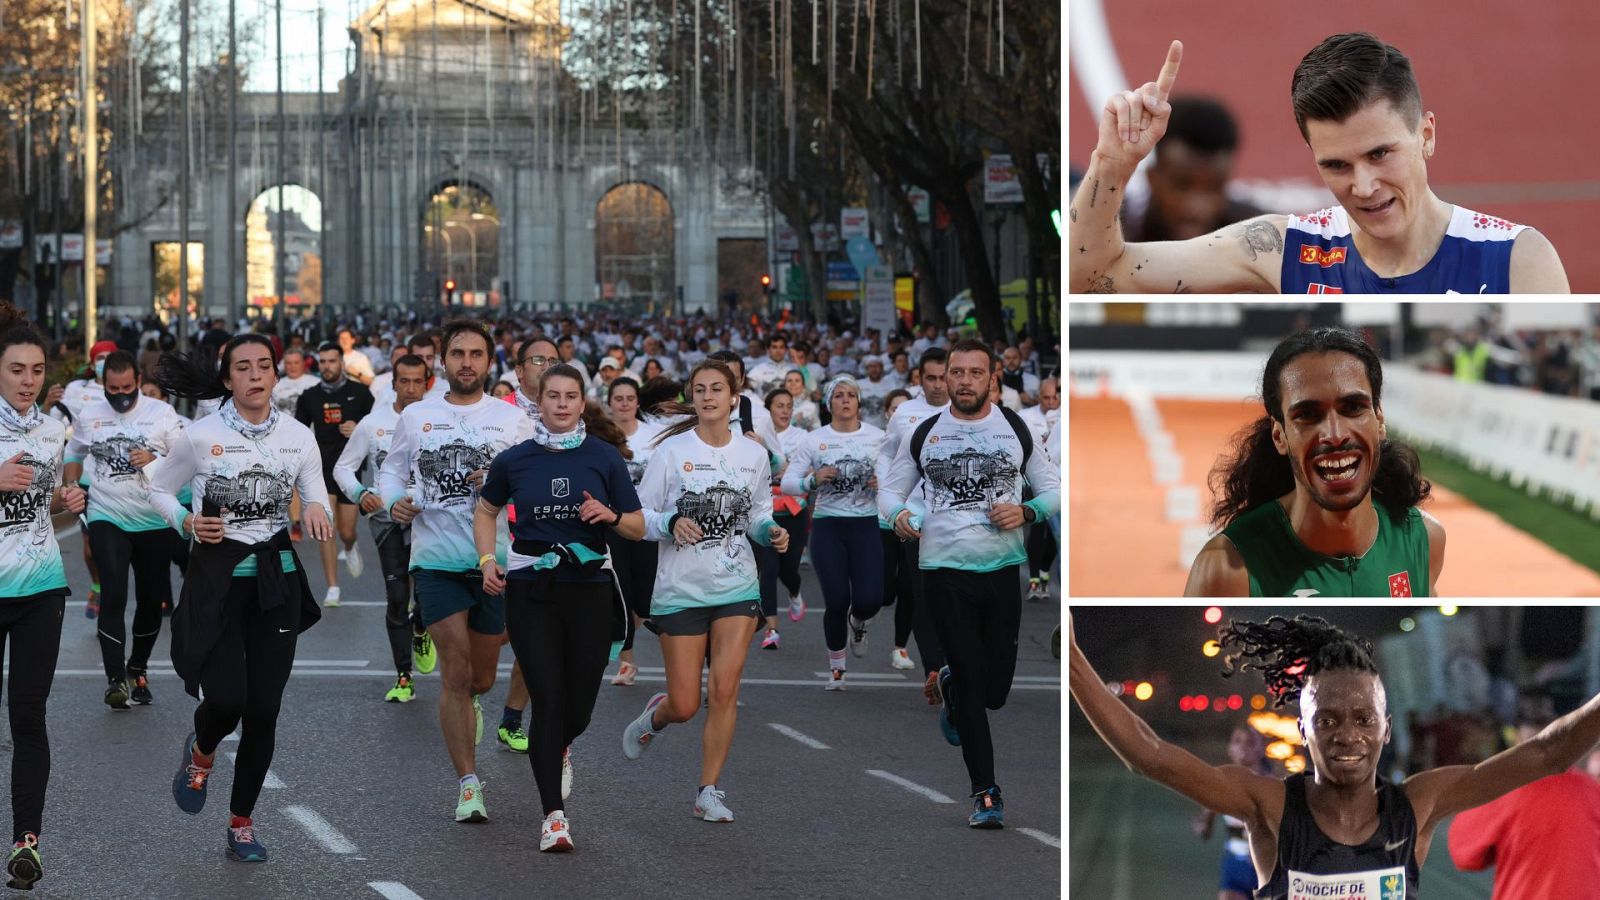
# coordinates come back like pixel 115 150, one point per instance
pixel 1243 257
pixel 1440 793
pixel 1231 790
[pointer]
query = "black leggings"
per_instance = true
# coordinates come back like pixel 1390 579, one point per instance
pixel 847 553
pixel 33 626
pixel 562 639
pixel 897 584
pixel 400 619
pixel 243 680
pixel 149 554
pixel 978 615
pixel 773 567
pixel 1041 546
pixel 635 565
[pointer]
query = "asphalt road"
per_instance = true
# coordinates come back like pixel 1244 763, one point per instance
pixel 841 794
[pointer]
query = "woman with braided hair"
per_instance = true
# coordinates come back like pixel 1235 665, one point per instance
pixel 1337 829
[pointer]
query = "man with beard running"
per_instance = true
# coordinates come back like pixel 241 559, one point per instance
pixel 369 445
pixel 436 464
pixel 332 408
pixel 1315 498
pixel 968 465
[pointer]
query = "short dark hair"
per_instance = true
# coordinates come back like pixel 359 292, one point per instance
pixel 411 359
pixel 934 354
pixel 620 381
pixel 458 327
pixel 522 348
pixel 121 361
pixel 1349 71
pixel 329 346
pixel 420 339
pixel 1203 125
pixel 972 345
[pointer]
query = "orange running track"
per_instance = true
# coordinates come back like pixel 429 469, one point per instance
pixel 1123 545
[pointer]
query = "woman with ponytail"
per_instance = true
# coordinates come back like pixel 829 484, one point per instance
pixel 1316 498
pixel 33 582
pixel 245 598
pixel 1337 829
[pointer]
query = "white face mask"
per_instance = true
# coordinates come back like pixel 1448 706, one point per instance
pixel 99 368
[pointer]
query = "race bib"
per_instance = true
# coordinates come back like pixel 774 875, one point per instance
pixel 1379 884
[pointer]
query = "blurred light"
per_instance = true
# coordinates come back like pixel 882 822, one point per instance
pixel 1220 704
pixel 1408 623
pixel 1448 610
pixel 1213 614
pixel 1235 702
pixel 1273 725
pixel 1144 690
pixel 1294 765
pixel 1185 704
pixel 1258 702
pixel 1201 702
pixel 1115 687
pixel 1211 648
pixel 1279 750
pixel 1055 219
pixel 1127 687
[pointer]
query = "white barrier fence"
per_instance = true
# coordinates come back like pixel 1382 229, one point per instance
pixel 1544 444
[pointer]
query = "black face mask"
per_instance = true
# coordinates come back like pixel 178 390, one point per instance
pixel 122 402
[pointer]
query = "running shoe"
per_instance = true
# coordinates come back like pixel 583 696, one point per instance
pixel 141 690
pixel 770 642
pixel 24 867
pixel 402 692
pixel 835 682
pixel 1036 592
pixel 92 608
pixel 422 652
pixel 625 674
pixel 797 608
pixel 900 659
pixel 988 810
pixel 637 736
pixel 566 773
pixel 709 806
pixel 343 554
pixel 332 600
pixel 117 694
pixel 930 688
pixel 352 561
pixel 858 637
pixel 189 785
pixel 554 837
pixel 946 724
pixel 469 804
pixel 513 737
pixel 242 843
pixel 477 711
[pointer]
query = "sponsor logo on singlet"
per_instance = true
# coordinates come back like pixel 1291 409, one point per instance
pixel 1313 255
pixel 1378 884
pixel 1400 584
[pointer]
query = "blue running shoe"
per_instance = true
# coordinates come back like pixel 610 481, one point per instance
pixel 189 785
pixel 988 810
pixel 242 843
pixel 946 725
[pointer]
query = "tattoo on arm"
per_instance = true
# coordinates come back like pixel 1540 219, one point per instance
pixel 1102 285
pixel 1072 213
pixel 1094 193
pixel 1262 237
pixel 1182 288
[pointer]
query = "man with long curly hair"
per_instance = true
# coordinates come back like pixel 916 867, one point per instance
pixel 1315 499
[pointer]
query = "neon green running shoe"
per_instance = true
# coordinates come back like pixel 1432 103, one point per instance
pixel 477 709
pixel 23 868
pixel 469 804
pixel 515 739
pixel 402 692
pixel 422 652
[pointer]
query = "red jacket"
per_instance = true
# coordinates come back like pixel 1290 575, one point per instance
pixel 1543 839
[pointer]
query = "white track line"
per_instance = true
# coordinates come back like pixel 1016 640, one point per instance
pixel 1041 837
pixel 786 731
pixel 320 830
pixel 394 890
pixel 272 782
pixel 911 786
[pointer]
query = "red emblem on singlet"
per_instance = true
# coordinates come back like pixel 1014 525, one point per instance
pixel 1400 584
pixel 1315 288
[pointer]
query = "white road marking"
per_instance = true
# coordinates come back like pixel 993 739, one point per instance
pixel 319 829
pixel 272 782
pixel 855 676
pixel 1041 837
pixel 911 786
pixel 394 890
pixel 786 731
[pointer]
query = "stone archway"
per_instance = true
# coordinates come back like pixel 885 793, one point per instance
pixel 299 224
pixel 633 250
pixel 461 243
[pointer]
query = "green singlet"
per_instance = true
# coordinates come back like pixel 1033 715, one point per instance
pixel 1281 566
